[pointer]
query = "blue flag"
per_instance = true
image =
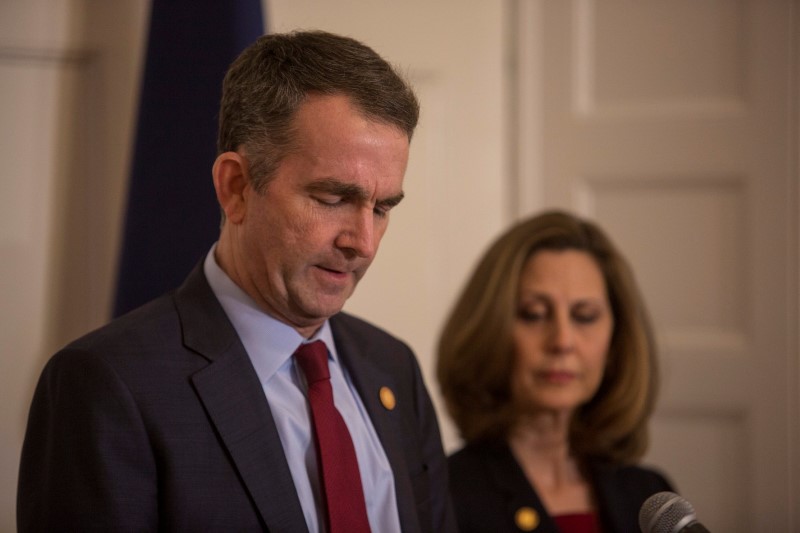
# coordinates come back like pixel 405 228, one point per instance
pixel 172 215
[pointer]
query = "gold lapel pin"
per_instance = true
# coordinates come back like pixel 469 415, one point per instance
pixel 526 518
pixel 387 398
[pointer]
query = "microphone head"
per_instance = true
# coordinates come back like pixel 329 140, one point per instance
pixel 665 512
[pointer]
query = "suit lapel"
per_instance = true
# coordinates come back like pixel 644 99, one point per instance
pixel 356 355
pixel 511 481
pixel 234 399
pixel 610 499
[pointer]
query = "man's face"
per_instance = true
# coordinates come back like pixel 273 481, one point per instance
pixel 309 237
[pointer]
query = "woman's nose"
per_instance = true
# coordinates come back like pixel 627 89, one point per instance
pixel 561 338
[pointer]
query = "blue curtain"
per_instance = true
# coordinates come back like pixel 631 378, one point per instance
pixel 172 215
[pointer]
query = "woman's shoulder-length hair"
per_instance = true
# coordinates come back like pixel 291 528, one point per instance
pixel 476 353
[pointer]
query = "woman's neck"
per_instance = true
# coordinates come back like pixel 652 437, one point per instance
pixel 540 444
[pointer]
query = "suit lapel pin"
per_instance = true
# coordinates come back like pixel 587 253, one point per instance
pixel 527 519
pixel 387 398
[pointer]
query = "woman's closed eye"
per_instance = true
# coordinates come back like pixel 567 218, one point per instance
pixel 582 317
pixel 587 313
pixel 532 315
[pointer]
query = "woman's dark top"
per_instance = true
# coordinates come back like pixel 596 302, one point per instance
pixel 491 493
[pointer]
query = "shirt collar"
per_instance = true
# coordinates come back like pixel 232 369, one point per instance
pixel 268 341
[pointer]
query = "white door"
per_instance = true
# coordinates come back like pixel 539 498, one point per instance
pixel 668 122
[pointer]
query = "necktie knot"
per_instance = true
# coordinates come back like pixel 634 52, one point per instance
pixel 313 360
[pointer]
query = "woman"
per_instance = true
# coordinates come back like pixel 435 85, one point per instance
pixel 547 365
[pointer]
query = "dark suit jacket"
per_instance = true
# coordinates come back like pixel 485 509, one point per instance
pixel 157 421
pixel 489 487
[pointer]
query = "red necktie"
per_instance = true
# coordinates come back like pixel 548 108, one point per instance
pixel 341 480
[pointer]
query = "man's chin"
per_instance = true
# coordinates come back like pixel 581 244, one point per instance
pixel 321 303
pixel 323 310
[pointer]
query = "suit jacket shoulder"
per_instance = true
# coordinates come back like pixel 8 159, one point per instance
pixel 156 420
pixel 489 489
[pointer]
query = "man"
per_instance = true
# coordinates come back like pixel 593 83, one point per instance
pixel 191 413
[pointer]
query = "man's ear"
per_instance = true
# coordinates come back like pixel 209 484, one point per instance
pixel 231 179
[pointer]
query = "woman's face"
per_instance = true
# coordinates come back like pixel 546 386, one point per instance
pixel 561 332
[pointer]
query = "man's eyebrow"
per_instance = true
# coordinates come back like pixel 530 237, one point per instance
pixel 392 200
pixel 350 190
pixel 337 188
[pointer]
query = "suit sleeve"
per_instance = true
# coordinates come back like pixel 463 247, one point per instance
pixel 86 461
pixel 443 516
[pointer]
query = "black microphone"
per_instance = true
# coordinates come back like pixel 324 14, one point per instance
pixel 666 512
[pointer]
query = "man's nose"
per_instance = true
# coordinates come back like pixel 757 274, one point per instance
pixel 359 234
